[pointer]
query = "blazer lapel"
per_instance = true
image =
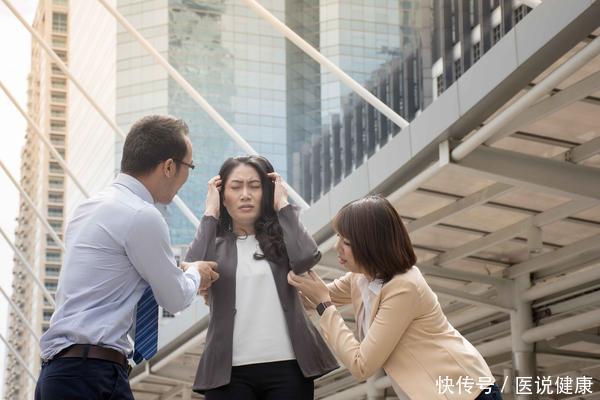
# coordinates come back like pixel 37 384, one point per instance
pixel 280 276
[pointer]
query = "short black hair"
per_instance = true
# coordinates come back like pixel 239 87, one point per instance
pixel 152 140
pixel 378 238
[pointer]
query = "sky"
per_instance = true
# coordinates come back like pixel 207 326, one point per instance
pixel 15 46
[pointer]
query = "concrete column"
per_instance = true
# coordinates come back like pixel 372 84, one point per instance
pixel 508 391
pixel 524 362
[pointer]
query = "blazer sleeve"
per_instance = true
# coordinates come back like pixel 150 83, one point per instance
pixel 395 313
pixel 340 290
pixel 302 250
pixel 203 247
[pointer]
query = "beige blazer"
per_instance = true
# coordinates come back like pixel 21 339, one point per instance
pixel 409 337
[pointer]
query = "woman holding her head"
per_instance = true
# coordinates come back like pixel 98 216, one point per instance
pixel 260 343
pixel 401 326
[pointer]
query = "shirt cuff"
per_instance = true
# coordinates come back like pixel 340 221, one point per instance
pixel 194 275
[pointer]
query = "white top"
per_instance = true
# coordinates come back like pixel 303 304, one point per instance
pixel 260 333
pixel 369 290
pixel 117 243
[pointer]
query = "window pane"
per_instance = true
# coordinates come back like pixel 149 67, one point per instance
pixel 59 22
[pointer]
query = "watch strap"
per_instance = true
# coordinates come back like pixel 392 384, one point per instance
pixel 322 306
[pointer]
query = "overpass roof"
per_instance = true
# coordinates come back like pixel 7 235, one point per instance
pixel 497 180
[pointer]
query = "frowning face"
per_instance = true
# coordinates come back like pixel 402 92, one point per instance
pixel 242 196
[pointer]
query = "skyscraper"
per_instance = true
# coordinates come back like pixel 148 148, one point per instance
pixel 43 180
pixel 363 38
pixel 280 100
pixel 406 53
pixel 229 55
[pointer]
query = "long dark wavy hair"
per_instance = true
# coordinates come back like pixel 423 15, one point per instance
pixel 268 231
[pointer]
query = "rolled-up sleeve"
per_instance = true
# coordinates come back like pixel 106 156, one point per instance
pixel 148 246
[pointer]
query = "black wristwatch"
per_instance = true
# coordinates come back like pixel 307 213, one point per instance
pixel 322 306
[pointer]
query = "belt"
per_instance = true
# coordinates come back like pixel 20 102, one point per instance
pixel 93 351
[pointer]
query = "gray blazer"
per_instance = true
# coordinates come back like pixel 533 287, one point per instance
pixel 312 354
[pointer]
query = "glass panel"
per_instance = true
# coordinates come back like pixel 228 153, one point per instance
pixel 59 22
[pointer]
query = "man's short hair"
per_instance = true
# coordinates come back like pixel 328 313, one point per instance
pixel 152 140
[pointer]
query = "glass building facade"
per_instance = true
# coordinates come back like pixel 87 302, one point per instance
pixel 312 127
pixel 361 37
pixel 234 59
pixel 406 53
pixel 279 99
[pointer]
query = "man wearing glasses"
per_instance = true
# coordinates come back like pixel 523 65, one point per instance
pixel 118 267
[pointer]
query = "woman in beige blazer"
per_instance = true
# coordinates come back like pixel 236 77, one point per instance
pixel 401 326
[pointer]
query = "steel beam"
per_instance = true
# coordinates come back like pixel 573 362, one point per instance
pixel 198 99
pixel 543 348
pixel 577 322
pixel 480 232
pixel 504 117
pixel 21 315
pixel 550 105
pixel 583 151
pixel 565 282
pixel 458 206
pixel 496 304
pixel 509 232
pixel 544 174
pixel 483 243
pixel 554 257
pixel 574 337
pixel 18 357
pixel 512 208
pixel 57 60
pixel 326 63
pixel 447 273
pixel 25 263
pixel 49 230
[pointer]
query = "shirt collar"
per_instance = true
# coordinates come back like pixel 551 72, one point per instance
pixel 374 286
pixel 135 186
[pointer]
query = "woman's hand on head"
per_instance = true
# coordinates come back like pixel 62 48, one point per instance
pixel 280 197
pixel 212 205
pixel 312 287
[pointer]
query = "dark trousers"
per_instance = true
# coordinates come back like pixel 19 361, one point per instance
pixel 266 381
pixel 82 379
pixel 494 393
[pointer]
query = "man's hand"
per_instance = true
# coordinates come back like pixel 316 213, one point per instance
pixel 208 273
pixel 206 269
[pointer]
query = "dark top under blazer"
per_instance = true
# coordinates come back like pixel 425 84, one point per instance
pixel 312 354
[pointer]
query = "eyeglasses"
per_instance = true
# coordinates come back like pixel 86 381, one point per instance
pixel 190 166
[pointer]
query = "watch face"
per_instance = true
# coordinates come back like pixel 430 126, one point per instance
pixel 322 306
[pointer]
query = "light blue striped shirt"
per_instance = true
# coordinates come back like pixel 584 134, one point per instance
pixel 117 243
